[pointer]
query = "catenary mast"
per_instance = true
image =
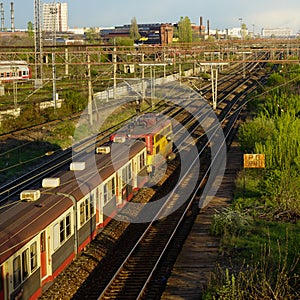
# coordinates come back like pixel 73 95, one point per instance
pixel 38 45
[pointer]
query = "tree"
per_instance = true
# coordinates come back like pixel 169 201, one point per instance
pixel 91 34
pixel 30 29
pixel 185 30
pixel 134 30
pixel 122 41
pixel 243 30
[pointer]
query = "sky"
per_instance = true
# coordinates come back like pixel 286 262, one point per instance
pixel 222 14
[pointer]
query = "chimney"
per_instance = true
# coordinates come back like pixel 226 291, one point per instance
pixel 207 27
pixel 2 16
pixel 201 24
pixel 12 13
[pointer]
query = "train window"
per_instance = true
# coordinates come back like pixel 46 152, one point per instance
pixel 61 231
pixel 157 149
pixel 87 209
pixel 33 256
pixel 105 193
pixel 17 271
pixel 7 74
pixel 68 225
pixel 113 187
pixel 2 75
pixel 126 175
pixel 81 211
pixel 25 259
pixel 55 236
pixel 43 241
pixel 109 190
pixel 92 203
pixel 142 161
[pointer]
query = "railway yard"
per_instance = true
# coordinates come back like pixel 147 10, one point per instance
pixel 142 230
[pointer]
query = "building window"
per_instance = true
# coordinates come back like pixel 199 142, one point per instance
pixel 33 256
pixel 25 259
pixel 17 271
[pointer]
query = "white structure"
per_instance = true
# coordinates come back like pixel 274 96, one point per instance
pixel 235 32
pixel 55 17
pixel 276 32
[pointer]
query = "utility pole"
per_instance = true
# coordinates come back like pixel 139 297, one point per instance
pixel 90 90
pixel 53 12
pixel 38 47
pixel 214 67
pixel 114 59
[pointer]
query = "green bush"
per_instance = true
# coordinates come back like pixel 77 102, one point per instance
pixel 230 222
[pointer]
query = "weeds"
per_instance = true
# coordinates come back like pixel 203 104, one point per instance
pixel 230 222
pixel 273 275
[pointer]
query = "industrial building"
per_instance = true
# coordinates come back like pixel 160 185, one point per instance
pixel 55 17
pixel 277 32
pixel 150 33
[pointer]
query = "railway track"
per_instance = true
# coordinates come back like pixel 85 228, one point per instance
pixel 92 286
pixel 133 276
pixel 10 191
pixel 194 129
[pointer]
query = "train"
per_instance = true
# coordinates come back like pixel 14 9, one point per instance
pixel 42 233
pixel 14 70
pixel 157 140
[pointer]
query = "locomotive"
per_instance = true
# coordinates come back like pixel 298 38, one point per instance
pixel 44 231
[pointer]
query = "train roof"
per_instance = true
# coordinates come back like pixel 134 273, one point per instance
pixel 145 124
pixel 22 221
pixel 13 62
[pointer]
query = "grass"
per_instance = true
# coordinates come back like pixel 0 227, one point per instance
pixel 262 255
pixel 20 156
pixel 16 156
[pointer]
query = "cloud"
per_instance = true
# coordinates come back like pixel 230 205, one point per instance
pixel 287 18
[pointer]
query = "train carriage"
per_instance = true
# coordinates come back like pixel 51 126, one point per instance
pixel 14 70
pixel 42 234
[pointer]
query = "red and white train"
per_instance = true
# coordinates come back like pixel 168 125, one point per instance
pixel 14 70
pixel 43 232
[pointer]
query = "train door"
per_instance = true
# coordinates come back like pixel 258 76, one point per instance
pixel 126 182
pixel 99 206
pixel 1 283
pixel 43 254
